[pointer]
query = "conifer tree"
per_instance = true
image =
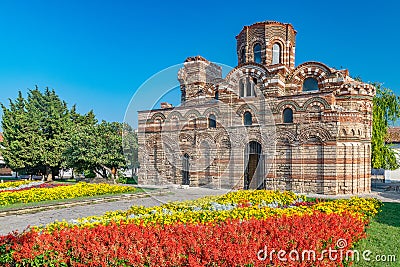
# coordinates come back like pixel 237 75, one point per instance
pixel 20 139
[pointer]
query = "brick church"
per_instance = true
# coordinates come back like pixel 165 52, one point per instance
pixel 267 124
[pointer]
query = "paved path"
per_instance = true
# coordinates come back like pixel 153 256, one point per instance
pixel 383 196
pixel 386 192
pixel 20 222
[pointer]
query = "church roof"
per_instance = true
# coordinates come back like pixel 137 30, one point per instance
pixel 196 58
pixel 267 22
pixel 271 22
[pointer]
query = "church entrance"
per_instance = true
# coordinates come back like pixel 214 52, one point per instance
pixel 254 162
pixel 185 170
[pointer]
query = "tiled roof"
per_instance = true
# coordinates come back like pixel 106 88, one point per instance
pixel 196 58
pixel 393 135
pixel 267 22
pixel 1 137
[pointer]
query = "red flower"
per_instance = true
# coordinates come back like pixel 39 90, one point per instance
pixel 229 243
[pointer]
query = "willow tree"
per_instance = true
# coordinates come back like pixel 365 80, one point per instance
pixel 386 111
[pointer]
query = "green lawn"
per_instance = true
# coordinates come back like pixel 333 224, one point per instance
pixel 8 178
pixel 383 237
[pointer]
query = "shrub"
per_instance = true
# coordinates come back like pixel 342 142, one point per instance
pixel 89 174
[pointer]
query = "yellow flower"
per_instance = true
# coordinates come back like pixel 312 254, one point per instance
pixel 60 192
pixel 213 209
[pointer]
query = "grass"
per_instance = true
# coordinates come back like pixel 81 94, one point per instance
pixel 71 180
pixel 8 178
pixel 383 237
pixel 59 201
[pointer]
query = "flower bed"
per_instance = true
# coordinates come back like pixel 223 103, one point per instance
pixel 237 229
pixel 11 185
pixel 37 194
pixel 230 243
pixel 31 185
pixel 243 205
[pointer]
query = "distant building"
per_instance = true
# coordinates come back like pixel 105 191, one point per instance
pixel 321 116
pixel 393 138
pixel 4 171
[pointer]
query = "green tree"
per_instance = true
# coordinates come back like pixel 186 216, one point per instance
pixel 81 151
pixel 130 148
pixel 95 146
pixel 386 110
pixel 51 121
pixel 20 140
pixel 36 132
pixel 41 135
pixel 110 149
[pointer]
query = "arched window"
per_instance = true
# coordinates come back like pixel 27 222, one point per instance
pixel 173 123
pixel 257 53
pixel 185 170
pixel 287 115
pixel 246 87
pixel 212 121
pixel 310 84
pixel 247 118
pixel 158 124
pixel 205 149
pixel 176 124
pixel 241 88
pixel 242 56
pixel 249 87
pixel 276 54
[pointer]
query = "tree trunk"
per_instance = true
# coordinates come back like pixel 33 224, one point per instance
pixel 49 174
pixel 113 174
pixel 102 173
pixel 55 172
pixel 105 169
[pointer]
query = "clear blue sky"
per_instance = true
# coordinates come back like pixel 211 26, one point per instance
pixel 95 54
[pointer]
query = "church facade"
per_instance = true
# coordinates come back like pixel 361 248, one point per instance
pixel 266 124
